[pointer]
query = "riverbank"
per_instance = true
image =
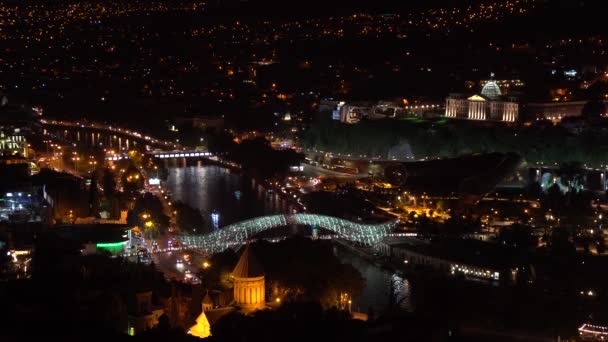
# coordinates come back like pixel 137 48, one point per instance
pixel 384 289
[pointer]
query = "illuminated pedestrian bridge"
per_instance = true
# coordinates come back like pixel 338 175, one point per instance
pixel 238 233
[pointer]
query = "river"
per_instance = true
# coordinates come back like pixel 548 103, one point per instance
pixel 235 197
pixel 232 196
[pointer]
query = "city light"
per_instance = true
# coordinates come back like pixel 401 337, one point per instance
pixel 239 232
pixel 111 244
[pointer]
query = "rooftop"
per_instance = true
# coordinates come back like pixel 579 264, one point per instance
pixel 248 266
pixel 491 90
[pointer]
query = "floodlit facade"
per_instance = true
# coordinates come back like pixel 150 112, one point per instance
pixel 249 284
pixel 12 142
pixel 490 105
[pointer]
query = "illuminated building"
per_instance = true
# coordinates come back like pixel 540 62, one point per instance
pixel 13 143
pixel 215 123
pixel 469 259
pixel 590 332
pixel 421 109
pixel 17 196
pixel 202 328
pixel 352 114
pixel 143 315
pixel 555 111
pixel 343 112
pixel 386 109
pixel 505 85
pixel 490 105
pixel 249 284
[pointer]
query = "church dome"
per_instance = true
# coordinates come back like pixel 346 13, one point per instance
pixel 248 266
pixel 491 90
pixel 249 283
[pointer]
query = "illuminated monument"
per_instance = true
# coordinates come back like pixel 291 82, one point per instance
pixel 490 105
pixel 202 328
pixel 249 285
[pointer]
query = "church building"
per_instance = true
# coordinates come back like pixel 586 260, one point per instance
pixel 249 284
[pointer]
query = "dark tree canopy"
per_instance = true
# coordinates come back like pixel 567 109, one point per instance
pixel 189 220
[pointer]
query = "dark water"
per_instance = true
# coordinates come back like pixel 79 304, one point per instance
pixel 235 198
pixel 383 291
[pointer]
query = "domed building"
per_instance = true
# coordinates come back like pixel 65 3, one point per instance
pixel 249 284
pixel 491 90
pixel 490 105
pixel 249 295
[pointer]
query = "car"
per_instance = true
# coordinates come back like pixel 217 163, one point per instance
pixel 145 259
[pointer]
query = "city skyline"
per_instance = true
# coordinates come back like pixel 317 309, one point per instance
pixel 236 170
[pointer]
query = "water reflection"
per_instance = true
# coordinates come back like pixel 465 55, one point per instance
pixel 216 190
pixel 383 290
pixel 401 292
pixel 213 189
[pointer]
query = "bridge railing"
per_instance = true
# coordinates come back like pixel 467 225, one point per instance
pixel 236 233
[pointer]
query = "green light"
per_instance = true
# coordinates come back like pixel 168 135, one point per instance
pixel 111 244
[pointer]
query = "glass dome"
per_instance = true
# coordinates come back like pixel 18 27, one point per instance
pixel 491 90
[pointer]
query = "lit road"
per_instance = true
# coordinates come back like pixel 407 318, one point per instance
pixel 167 263
pixel 110 129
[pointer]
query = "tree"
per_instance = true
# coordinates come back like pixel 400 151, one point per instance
pixel 189 219
pixel 163 173
pixel 571 174
pixel 518 236
pixel 257 156
pixel 600 245
pixel 561 242
pixel 108 183
pixel 132 180
pixel 554 199
pixel 218 276
pixel 534 190
pixel 6 262
pixel 148 213
pixel 93 199
pixel 221 142
pixel 189 135
pixel 302 321
pixel 593 108
pixel 307 270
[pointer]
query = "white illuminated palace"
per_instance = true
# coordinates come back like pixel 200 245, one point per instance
pixel 491 105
